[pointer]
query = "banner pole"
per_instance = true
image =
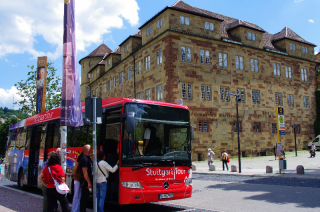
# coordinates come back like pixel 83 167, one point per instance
pixel 94 136
pixel 63 146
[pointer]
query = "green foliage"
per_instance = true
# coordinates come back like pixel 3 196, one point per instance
pixel 4 129
pixel 28 90
pixel 5 113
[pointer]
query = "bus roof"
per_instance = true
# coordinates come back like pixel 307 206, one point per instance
pixel 55 113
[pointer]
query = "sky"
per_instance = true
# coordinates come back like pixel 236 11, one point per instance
pixel 34 28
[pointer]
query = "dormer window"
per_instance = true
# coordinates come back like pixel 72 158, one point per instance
pixel 97 72
pixel 292 46
pixel 126 48
pixel 184 20
pixel 108 62
pixel 208 26
pixel 88 76
pixel 251 36
pixel 90 63
pixel 159 23
pixel 149 31
pixel 304 50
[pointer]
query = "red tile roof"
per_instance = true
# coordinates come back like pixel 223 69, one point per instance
pixel 288 33
pixel 100 51
pixel 317 57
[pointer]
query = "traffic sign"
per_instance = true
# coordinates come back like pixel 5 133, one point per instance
pixel 281 122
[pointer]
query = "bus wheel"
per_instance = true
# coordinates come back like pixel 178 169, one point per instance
pixel 20 180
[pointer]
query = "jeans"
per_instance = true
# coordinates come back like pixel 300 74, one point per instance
pixel 53 196
pixel 225 162
pixel 209 163
pixel 45 201
pixel 76 196
pixel 84 197
pixel 101 195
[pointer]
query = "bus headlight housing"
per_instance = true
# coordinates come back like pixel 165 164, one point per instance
pixel 131 184
pixel 189 181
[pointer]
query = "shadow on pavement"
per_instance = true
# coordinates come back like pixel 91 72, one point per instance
pixel 142 207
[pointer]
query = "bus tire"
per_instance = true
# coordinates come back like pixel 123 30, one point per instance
pixel 20 180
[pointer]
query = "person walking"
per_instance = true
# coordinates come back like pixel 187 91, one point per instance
pixel 85 165
pixel 46 179
pixel 224 158
pixel 102 175
pixel 210 157
pixel 313 147
pixel 76 188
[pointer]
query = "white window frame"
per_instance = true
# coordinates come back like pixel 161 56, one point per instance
pixel 148 94
pixel 224 94
pixel 159 93
pixel 254 65
pixel 239 62
pixel 139 67
pixel 188 53
pixel 304 76
pixel 206 25
pixel 288 72
pixel 276 69
pixel 253 36
pixel 207 56
pixel 211 26
pixel 223 60
pixel 129 72
pixel 185 20
pixel 183 53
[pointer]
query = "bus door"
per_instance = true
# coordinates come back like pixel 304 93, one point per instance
pixel 109 140
pixel 34 155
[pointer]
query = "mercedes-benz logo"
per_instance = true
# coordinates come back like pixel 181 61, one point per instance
pixel 165 185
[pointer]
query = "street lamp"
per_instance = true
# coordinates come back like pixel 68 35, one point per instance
pixel 238 129
pixel 295 126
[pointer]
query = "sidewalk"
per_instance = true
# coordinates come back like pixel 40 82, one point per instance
pixel 256 166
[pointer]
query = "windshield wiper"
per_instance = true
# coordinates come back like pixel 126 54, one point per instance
pixel 144 165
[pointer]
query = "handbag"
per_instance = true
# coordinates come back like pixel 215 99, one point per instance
pixel 102 171
pixel 228 160
pixel 61 188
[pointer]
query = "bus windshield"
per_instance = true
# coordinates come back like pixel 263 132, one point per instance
pixel 161 136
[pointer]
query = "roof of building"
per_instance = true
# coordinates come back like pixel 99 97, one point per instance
pixel 100 51
pixel 288 33
pixel 317 57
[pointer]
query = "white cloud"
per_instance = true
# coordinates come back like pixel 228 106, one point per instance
pixel 6 97
pixel 312 21
pixel 296 1
pixel 22 21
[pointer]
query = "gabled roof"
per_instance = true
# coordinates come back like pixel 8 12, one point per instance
pixel 135 35
pixel 289 34
pixel 241 23
pixel 100 51
pixel 317 57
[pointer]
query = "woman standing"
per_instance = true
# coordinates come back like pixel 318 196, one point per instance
pixel 46 179
pixel 102 175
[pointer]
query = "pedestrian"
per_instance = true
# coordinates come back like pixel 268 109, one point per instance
pixel 58 151
pixel 224 158
pixel 102 175
pixel 44 188
pixel 210 157
pixel 85 165
pixel 275 152
pixel 46 179
pixel 76 188
pixel 0 172
pixel 313 147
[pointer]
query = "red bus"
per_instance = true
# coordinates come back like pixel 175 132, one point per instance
pixel 163 172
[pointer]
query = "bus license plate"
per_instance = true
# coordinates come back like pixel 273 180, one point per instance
pixel 165 196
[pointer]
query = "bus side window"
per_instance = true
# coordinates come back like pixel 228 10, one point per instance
pixel 13 138
pixel 21 138
pixel 56 135
pixel 50 133
pixel 28 139
pixel 43 136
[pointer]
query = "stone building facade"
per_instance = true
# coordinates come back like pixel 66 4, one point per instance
pixel 192 54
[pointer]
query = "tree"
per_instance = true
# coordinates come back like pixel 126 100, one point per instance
pixel 4 129
pixel 28 90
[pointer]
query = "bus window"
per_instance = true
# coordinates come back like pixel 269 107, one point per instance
pixel 112 132
pixel 12 141
pixel 21 138
pixel 50 133
pixel 56 135
pixel 28 138
pixel 43 136
pixel 77 136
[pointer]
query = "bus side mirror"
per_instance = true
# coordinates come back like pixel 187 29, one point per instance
pixel 191 133
pixel 130 116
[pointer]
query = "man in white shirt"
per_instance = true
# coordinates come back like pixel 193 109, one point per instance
pixel 148 134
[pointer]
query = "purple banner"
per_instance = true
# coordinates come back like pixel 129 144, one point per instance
pixel 71 114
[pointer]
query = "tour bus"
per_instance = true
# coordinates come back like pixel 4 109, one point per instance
pixel 162 173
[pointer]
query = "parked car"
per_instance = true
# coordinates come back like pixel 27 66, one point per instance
pixel 316 142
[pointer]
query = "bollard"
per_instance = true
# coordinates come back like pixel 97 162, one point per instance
pixel 212 167
pixel 269 169
pixel 233 168
pixel 194 167
pixel 300 169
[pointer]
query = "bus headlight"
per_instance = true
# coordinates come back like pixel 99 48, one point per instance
pixel 131 184
pixel 189 181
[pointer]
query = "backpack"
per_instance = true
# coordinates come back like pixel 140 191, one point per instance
pixel 224 157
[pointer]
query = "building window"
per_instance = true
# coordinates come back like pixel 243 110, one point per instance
pixel 104 88
pixel 90 64
pixel 184 20
pixel 97 92
pixel 109 85
pixel 288 71
pixel 304 50
pixel 276 69
pixel 311 129
pixel 223 60
pixel 114 81
pixel 159 23
pixel 159 57
pixel 186 90
pixel 241 93
pixel 224 94
pixel 159 92
pixel 251 36
pixel 292 46
pixel 306 102
pixel 274 128
pixel 97 72
pixel 206 92
pixel 239 62
pixel 188 54
pixel 148 94
pixel 149 30
pixel 129 73
pixel 235 129
pixel 89 76
pixel 201 56
pixel 209 26
pixel 304 76
pixel 207 57
pixel 290 100
pixel 278 97
pixel 108 62
pixel 255 97
pixel 139 96
pixel 256 126
pixel 254 65
pixel 139 67
pixel 183 53
pixel 126 48
pixel 92 75
pixel 121 77
pixel 147 62
pixel 203 127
